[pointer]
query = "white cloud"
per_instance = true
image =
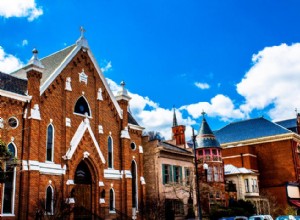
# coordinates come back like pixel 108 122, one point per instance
pixel 107 67
pixel 24 42
pixel 219 106
pixel 273 82
pixel 20 8
pixel 8 62
pixel 202 85
pixel 150 115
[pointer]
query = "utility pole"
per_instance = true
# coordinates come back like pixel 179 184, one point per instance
pixel 197 178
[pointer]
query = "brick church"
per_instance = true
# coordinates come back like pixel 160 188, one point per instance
pixel 78 146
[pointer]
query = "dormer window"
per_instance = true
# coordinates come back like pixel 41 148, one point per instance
pixel 82 107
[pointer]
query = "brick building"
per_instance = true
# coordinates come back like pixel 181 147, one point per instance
pixel 269 149
pixel 77 142
pixel 210 168
pixel 170 188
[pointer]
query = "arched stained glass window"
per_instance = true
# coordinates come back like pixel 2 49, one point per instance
pixel 9 185
pixel 110 152
pixel 111 200
pixel 49 200
pixel 50 143
pixel 134 184
pixel 82 107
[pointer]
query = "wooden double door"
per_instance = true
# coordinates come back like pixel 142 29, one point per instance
pixel 83 192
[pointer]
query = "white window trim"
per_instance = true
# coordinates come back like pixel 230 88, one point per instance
pixel 14 189
pixel 114 201
pixel 75 113
pixel 53 138
pixel 112 153
pixel 52 199
pixel 137 186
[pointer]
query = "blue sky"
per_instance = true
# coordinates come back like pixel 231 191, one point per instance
pixel 233 59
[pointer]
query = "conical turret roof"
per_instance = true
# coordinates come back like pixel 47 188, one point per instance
pixel 205 137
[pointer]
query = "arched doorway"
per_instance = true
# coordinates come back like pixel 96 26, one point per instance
pixel 82 192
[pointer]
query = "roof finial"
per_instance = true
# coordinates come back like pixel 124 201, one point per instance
pixel 203 113
pixel 174 117
pixel 82 30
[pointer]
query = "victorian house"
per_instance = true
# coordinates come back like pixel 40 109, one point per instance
pixel 80 150
pixel 169 171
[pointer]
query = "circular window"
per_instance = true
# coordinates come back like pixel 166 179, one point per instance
pixel 133 146
pixel 13 122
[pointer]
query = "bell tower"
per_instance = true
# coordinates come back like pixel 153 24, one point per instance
pixel 178 131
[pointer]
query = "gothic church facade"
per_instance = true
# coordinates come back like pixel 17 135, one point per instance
pixel 78 145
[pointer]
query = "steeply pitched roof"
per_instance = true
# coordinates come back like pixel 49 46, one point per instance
pixel 249 129
pixel 131 120
pixel 205 137
pixel 50 63
pixel 13 84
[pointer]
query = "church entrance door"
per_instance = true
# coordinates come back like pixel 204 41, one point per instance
pixel 83 192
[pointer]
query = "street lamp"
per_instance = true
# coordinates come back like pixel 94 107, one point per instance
pixel 197 178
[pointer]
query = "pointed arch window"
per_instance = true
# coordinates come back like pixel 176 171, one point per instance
pixel 9 186
pixel 50 143
pixel 49 200
pixel 110 152
pixel 111 200
pixel 134 184
pixel 82 107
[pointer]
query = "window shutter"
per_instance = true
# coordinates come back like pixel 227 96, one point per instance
pixel 171 173
pixel 180 172
pixel 163 174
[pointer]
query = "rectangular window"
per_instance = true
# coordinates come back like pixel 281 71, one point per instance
pixel 216 174
pixel 187 174
pixel 209 174
pixel 200 152
pixel 177 173
pixel 247 185
pixel 207 152
pixel 214 151
pixel 166 173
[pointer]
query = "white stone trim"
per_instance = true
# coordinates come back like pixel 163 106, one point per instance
pixel 43 168
pixel 84 125
pixel 35 112
pixel 70 200
pixel 100 129
pixel 127 174
pixel 68 84
pixel 135 127
pixel 141 150
pixel 112 174
pixel 68 122
pixel 125 133
pixel 143 182
pixel 236 156
pixel 101 183
pixel 101 201
pixel 70 182
pixel 99 95
pixel 23 98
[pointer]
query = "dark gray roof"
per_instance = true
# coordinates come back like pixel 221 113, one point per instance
pixel 249 129
pixel 205 137
pixel 13 84
pixel 50 63
pixel 290 124
pixel 174 148
pixel 131 120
